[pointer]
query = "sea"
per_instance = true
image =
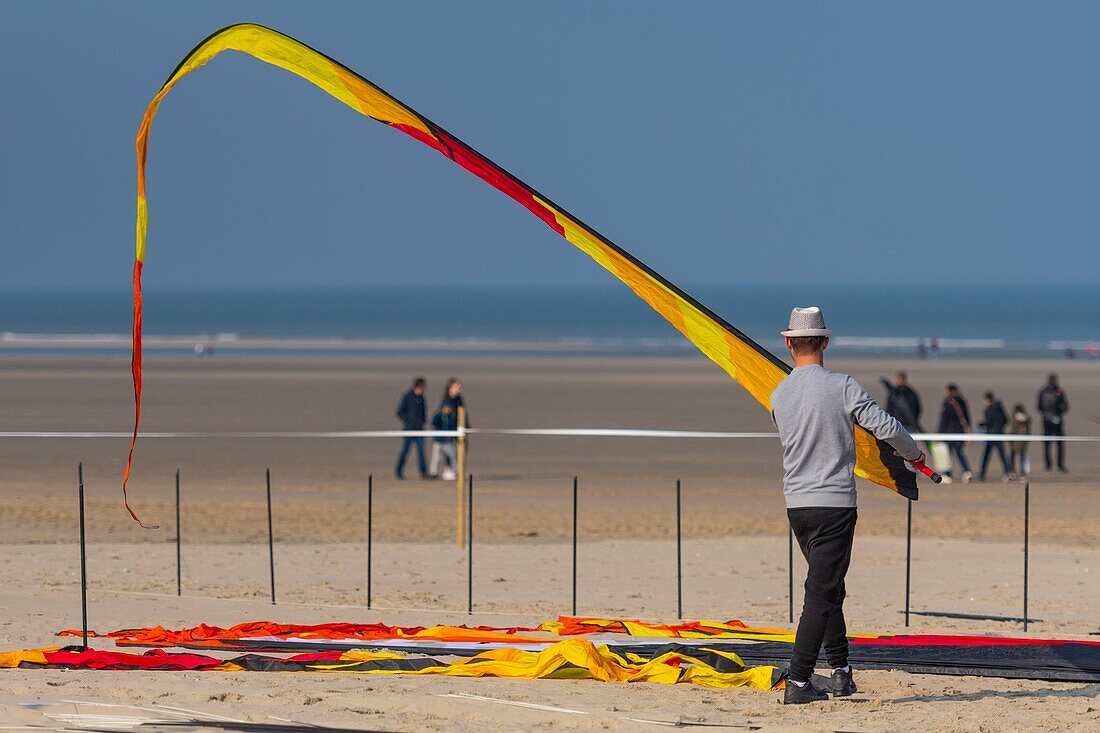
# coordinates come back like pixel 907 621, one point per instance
pixel 985 321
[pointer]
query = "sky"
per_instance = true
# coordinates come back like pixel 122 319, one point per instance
pixel 721 143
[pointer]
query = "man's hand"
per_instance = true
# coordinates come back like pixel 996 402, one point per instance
pixel 919 459
pixel 917 464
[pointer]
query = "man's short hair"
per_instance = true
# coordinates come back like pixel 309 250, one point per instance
pixel 989 396
pixel 902 375
pixel 953 388
pixel 419 382
pixel 802 345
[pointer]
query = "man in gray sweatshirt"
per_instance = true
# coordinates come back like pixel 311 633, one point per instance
pixel 816 411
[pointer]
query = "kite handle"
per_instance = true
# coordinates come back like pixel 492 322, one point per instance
pixel 920 466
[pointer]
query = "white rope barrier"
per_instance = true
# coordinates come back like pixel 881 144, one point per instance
pixel 549 432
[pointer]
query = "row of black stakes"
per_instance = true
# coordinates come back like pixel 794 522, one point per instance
pixel 370 547
pixel 470 550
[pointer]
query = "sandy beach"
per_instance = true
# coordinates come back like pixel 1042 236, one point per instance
pixel 520 584
pixel 731 487
pixel 967 538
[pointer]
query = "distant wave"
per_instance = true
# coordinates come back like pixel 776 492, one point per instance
pixel 236 342
pixel 210 343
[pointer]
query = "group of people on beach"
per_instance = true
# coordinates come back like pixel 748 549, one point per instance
pixel 904 404
pixel 412 413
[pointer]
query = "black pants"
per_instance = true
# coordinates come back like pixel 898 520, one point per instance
pixel 1052 428
pixel 825 537
pixel 989 448
pixel 958 449
pixel 407 442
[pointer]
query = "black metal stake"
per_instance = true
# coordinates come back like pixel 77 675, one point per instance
pixel 679 558
pixel 790 575
pixel 370 532
pixel 179 570
pixel 470 545
pixel 908 555
pixel 574 545
pixel 83 562
pixel 270 538
pixel 1027 542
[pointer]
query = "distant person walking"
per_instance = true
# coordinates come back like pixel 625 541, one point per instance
pixel 955 418
pixel 1053 406
pixel 446 418
pixel 1020 425
pixel 412 414
pixel 903 402
pixel 993 422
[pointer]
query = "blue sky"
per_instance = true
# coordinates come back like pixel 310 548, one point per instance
pixel 719 142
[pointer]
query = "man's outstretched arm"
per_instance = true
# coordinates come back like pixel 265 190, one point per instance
pixel 868 415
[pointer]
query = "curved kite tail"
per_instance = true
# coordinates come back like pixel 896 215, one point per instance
pixel 135 367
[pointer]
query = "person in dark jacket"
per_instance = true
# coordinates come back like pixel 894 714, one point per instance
pixel 993 422
pixel 411 413
pixel 446 418
pixel 903 403
pixel 1053 405
pixel 955 418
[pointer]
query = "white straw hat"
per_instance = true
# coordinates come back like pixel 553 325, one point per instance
pixel 806 322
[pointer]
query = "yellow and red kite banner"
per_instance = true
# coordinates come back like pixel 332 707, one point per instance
pixel 752 366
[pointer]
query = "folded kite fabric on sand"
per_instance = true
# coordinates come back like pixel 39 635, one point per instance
pixel 569 659
pixel 639 643
pixel 205 636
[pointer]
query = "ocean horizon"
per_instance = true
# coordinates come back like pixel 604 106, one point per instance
pixel 982 321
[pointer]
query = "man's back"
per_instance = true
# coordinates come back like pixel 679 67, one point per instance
pixel 955 415
pixel 995 418
pixel 814 410
pixel 410 411
pixel 1052 402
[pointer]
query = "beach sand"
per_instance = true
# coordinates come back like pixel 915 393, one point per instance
pixel 730 487
pixel 967 539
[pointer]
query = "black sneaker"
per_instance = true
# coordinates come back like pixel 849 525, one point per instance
pixel 795 695
pixel 841 683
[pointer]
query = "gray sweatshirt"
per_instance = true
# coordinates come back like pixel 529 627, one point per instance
pixel 814 410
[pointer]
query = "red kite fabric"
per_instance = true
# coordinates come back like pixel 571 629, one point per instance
pixel 216 636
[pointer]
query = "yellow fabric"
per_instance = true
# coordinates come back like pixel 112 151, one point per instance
pixel 11 660
pixel 363 655
pixel 581 659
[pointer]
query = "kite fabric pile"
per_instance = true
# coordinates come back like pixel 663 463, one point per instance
pixel 710 653
pixel 568 659
pixel 247 635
